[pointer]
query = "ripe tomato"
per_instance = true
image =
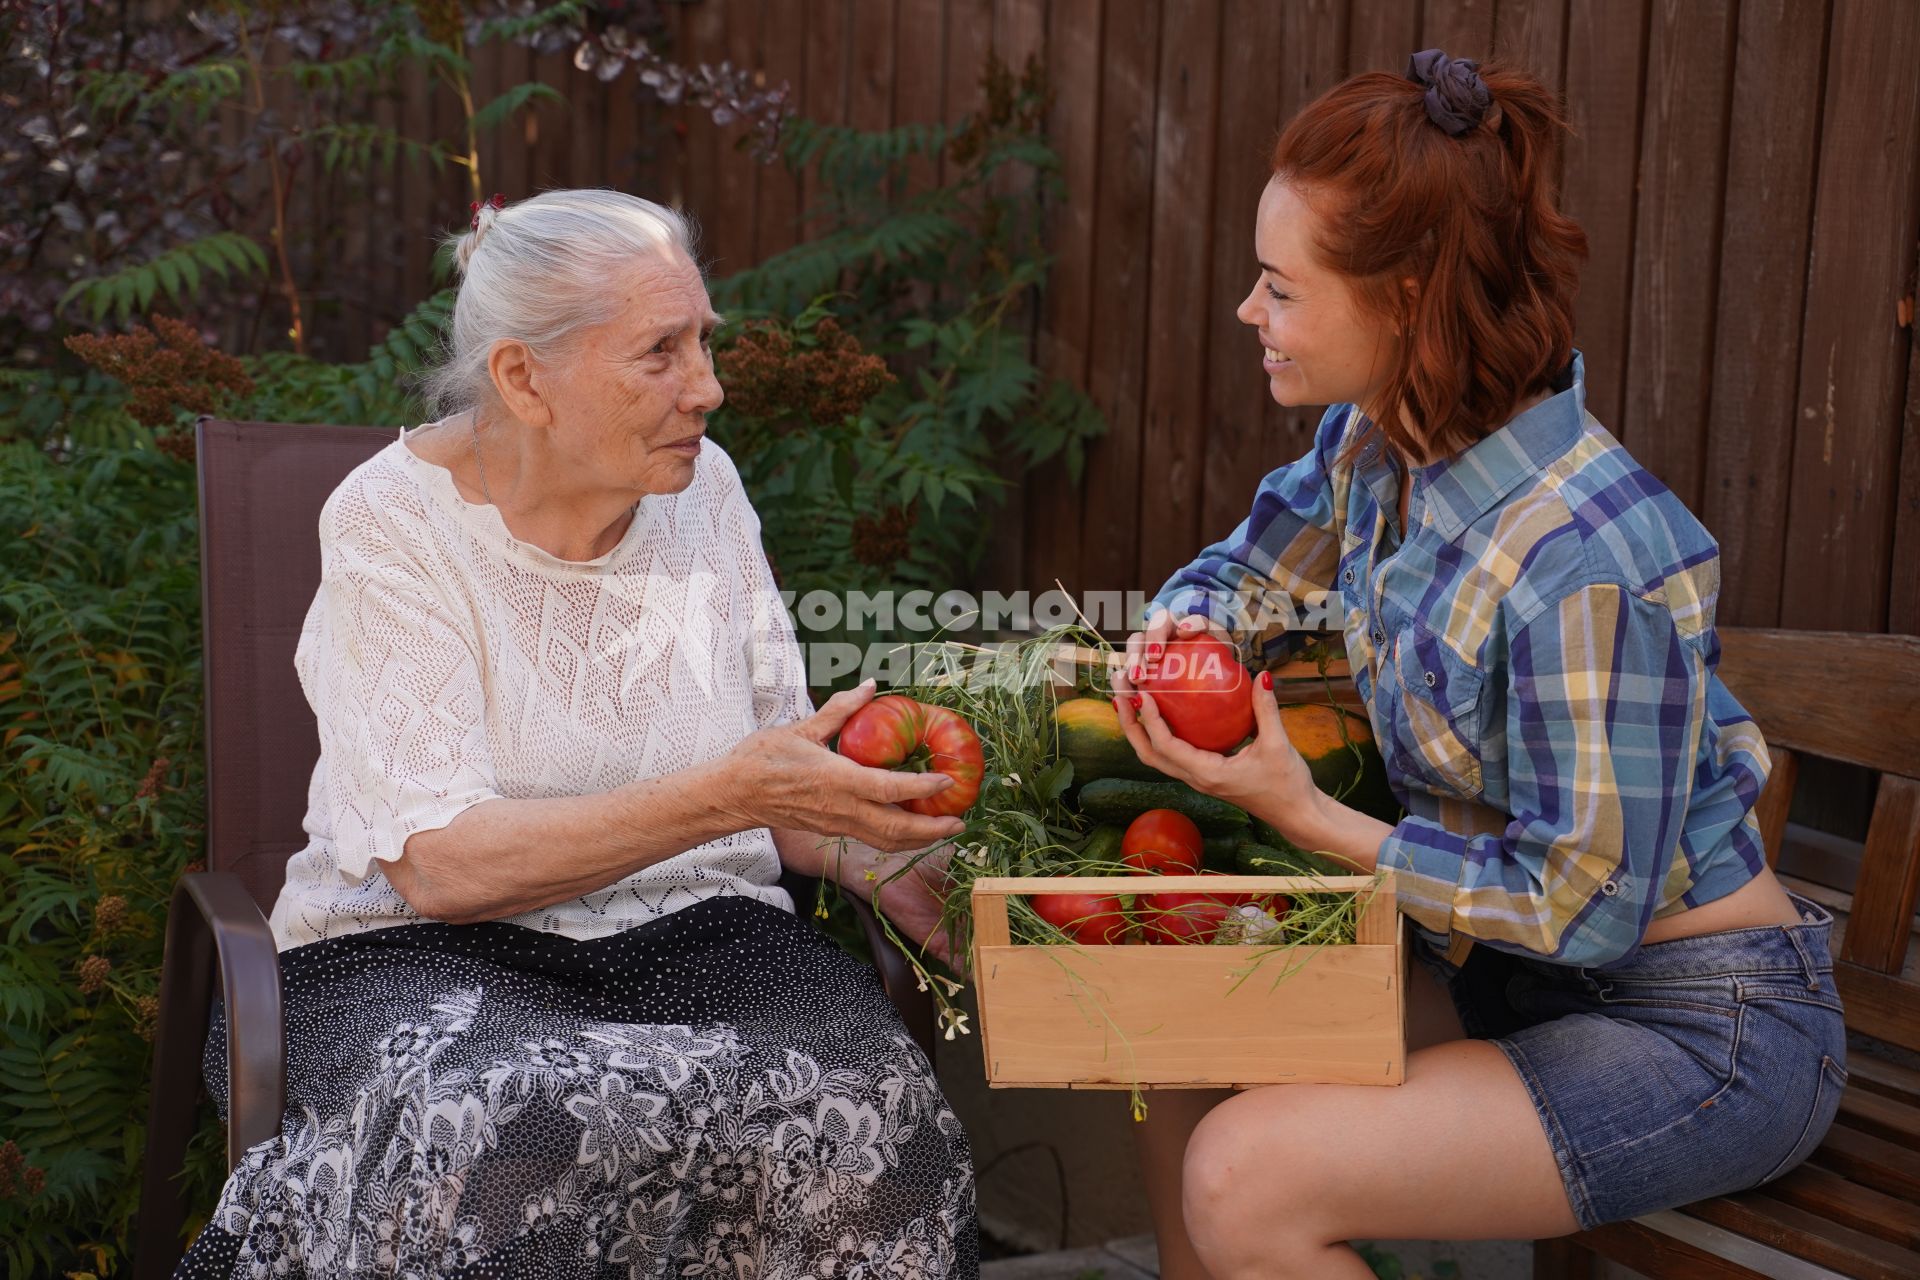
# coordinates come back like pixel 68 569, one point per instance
pixel 1090 919
pixel 1197 917
pixel 1162 842
pixel 1172 918
pixel 895 732
pixel 1202 691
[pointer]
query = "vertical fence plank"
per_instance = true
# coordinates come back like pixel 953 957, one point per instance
pixel 1382 35
pixel 920 76
pixel 514 176
pixel 1532 35
pixel 1464 28
pixel 870 90
pixel 1019 35
pixel 420 209
pixel 1241 418
pixel 1854 354
pixel 1676 253
pixel 1769 193
pixel 783 59
pixel 586 127
pixel 736 177
pixel 1110 532
pixel 1053 500
pixel 1903 608
pixel 826 79
pixel 1604 78
pixel 550 126
pixel 1173 441
pixel 969 43
pixel 701 38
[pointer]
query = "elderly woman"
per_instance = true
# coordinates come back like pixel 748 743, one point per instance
pixel 548 1012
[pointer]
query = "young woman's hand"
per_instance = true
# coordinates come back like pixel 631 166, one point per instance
pixel 1266 777
pixel 1144 648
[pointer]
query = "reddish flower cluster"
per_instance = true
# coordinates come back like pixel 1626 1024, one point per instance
pixel 16 1175
pixel 146 1018
pixel 772 377
pixel 882 541
pixel 151 784
pixel 109 913
pixel 167 368
pixel 93 974
pixel 1018 103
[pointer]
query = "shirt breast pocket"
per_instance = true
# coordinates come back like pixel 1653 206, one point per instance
pixel 1436 740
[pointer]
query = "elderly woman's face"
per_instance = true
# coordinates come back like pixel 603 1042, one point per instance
pixel 635 395
pixel 1317 345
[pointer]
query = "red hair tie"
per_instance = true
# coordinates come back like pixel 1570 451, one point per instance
pixel 497 202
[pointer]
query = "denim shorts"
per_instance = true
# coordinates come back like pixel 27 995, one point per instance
pixel 1692 1069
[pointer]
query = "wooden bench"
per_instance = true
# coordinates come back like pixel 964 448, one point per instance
pixel 261 488
pixel 1853 1210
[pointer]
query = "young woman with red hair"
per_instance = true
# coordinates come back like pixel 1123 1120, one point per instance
pixel 1645 1017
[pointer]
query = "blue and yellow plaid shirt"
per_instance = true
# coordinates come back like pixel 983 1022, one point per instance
pixel 1538 660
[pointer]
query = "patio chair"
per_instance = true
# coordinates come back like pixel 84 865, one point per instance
pixel 262 485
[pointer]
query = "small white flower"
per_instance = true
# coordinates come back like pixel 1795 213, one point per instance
pixel 954 1021
pixel 953 988
pixel 1012 779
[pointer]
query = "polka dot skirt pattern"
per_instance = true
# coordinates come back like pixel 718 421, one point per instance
pixel 719 1093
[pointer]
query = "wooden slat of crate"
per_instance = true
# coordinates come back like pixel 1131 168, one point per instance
pixel 1111 1017
pixel 1116 1017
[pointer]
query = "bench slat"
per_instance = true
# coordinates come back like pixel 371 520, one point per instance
pixel 1875 723
pixel 1879 1005
pixel 1654 1252
pixel 1881 1116
pixel 1889 1079
pixel 1871 1161
pixel 1759 1216
pixel 1831 1196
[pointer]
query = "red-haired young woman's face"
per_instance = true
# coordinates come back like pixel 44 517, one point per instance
pixel 1318 345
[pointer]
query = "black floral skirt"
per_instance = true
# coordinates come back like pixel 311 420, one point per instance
pixel 720 1092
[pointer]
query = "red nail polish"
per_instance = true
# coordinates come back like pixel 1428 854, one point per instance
pixel 1154 649
pixel 1136 704
pixel 1133 673
pixel 1266 679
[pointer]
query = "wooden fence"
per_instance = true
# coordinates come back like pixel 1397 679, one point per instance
pixel 1748 172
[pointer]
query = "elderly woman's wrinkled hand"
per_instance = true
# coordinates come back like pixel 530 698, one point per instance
pixel 787 776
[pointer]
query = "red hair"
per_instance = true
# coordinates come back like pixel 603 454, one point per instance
pixel 1471 220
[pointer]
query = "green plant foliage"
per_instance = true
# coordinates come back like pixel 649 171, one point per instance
pixel 895 495
pixel 175 276
pixel 101 806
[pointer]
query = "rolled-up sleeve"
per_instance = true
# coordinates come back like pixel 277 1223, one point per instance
pixel 1283 556
pixel 1605 706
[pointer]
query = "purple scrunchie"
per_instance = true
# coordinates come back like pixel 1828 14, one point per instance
pixel 1457 98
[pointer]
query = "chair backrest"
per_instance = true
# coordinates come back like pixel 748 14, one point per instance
pixel 262 485
pixel 1852 698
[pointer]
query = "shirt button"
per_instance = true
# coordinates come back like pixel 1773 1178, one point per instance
pixel 1430 680
pixel 1609 888
pixel 1347 577
pixel 1379 636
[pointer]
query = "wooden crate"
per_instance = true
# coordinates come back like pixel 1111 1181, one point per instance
pixel 1168 1017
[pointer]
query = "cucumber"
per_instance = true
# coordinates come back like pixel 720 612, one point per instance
pixel 1252 858
pixel 1219 853
pixel 1120 800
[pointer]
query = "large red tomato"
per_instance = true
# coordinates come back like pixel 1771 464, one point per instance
pixel 1197 917
pixel 1090 919
pixel 895 732
pixel 1162 842
pixel 1202 691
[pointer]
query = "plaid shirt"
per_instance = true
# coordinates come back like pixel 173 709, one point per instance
pixel 1538 661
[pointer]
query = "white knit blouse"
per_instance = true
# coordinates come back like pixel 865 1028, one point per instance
pixel 448 663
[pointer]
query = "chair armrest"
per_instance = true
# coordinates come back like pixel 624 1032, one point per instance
pixel 212 922
pixel 248 966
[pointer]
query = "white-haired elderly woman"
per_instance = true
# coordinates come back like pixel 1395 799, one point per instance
pixel 548 1013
